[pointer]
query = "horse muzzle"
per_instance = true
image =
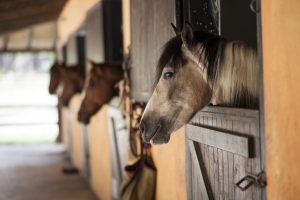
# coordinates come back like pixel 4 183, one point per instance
pixel 83 118
pixel 153 132
pixel 65 103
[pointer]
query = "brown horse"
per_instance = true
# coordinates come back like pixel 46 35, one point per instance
pixel 55 77
pixel 196 69
pixel 99 89
pixel 73 81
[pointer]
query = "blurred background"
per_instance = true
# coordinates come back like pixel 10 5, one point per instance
pixel 28 114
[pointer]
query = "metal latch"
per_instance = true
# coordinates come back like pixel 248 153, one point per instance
pixel 252 179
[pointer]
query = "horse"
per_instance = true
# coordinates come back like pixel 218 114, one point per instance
pixel 99 88
pixel 55 77
pixel 196 69
pixel 73 78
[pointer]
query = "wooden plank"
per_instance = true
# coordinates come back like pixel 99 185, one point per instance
pixel 188 171
pixel 238 144
pixel 225 163
pixel 225 116
pixel 231 183
pixel 237 114
pixel 202 148
pixel 221 174
pixel 150 29
pixel 198 169
pixel 256 163
pixel 211 170
pixel 216 173
pixel 242 112
pixel 250 191
pixel 216 165
pixel 238 165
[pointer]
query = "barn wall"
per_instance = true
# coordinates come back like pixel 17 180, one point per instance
pixel 72 57
pixel 72 16
pixel 281 65
pixel 150 30
pixel 94 34
pixel 126 24
pixel 64 124
pixel 100 156
pixel 76 131
pixel 170 163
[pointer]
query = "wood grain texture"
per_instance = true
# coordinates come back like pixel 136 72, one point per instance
pixel 224 168
pixel 238 144
pixel 150 30
pixel 281 50
pixel 18 14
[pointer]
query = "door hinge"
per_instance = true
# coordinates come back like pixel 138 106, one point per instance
pixel 258 180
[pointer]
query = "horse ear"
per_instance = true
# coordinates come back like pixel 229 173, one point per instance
pixel 91 62
pixel 177 32
pixel 187 34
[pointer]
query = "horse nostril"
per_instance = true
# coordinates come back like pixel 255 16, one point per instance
pixel 65 103
pixel 142 126
pixel 84 118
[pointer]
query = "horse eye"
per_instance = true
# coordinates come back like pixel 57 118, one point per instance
pixel 91 84
pixel 168 75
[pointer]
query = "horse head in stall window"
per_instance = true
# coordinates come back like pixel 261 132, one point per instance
pixel 55 77
pixel 196 69
pixel 73 81
pixel 99 89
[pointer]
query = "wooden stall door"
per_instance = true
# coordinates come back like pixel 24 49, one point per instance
pixel 223 148
pixel 223 144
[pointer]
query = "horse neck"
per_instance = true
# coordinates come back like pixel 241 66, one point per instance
pixel 237 74
pixel 115 73
pixel 78 75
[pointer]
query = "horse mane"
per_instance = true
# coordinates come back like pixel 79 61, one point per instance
pixel 112 70
pixel 76 69
pixel 227 63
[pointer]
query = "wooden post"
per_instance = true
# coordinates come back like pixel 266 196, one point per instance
pixel 281 70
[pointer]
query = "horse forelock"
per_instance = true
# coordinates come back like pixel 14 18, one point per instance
pixel 171 55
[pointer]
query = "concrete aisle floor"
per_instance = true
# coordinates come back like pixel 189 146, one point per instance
pixel 33 172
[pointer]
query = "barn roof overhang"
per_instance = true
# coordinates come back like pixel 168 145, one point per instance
pixel 29 25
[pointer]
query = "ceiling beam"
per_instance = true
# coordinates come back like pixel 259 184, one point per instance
pixel 18 14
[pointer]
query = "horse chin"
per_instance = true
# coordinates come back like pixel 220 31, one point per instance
pixel 65 103
pixel 51 91
pixel 159 136
pixel 84 118
pixel 162 138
